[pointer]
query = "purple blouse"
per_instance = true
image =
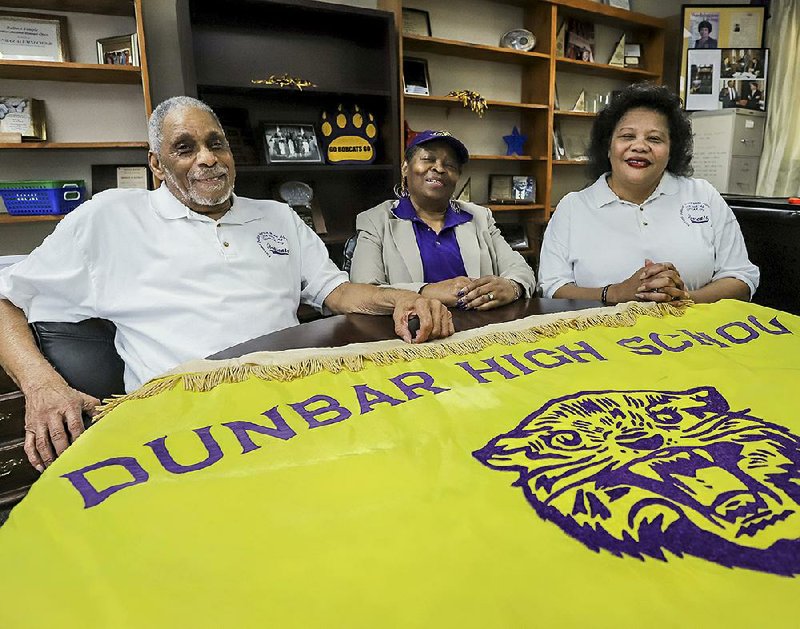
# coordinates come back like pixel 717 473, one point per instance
pixel 441 256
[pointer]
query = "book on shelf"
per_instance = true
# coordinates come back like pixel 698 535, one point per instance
pixel 579 40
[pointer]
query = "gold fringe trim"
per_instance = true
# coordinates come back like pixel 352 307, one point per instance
pixel 205 381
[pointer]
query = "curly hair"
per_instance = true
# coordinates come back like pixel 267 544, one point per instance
pixel 705 24
pixel 649 96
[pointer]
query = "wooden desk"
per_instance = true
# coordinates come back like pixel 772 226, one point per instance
pixel 342 330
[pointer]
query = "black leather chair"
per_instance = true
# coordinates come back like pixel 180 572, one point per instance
pixel 771 229
pixel 84 354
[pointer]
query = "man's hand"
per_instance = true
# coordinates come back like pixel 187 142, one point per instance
pixel 435 320
pixel 53 420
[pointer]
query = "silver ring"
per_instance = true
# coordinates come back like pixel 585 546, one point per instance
pixel 490 296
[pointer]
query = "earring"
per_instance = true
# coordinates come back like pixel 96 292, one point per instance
pixel 401 189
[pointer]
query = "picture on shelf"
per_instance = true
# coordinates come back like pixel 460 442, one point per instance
pixel 416 22
pixel 619 4
pixel 287 142
pixel 580 40
pixel 415 76
pixel 725 78
pixel 119 51
pixel 24 116
pixel 512 189
pixel 106 176
pixel 514 234
pixel 33 37
pixel 713 26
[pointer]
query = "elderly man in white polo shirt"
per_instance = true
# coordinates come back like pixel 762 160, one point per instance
pixel 183 271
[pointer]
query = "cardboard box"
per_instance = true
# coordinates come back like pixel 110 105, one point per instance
pixel 23 115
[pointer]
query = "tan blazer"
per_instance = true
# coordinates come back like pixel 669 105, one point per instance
pixel 387 253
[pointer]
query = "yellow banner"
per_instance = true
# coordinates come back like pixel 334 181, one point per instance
pixel 633 476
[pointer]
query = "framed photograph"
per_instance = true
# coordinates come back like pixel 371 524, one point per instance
pixel 415 76
pixel 465 194
pixel 512 189
pixel 711 26
pixel 580 40
pixel 620 4
pixel 106 176
pixel 514 234
pixel 416 22
pixel 122 50
pixel 290 143
pixel 725 78
pixel 33 37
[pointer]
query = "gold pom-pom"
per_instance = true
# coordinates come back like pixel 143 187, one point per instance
pixel 471 100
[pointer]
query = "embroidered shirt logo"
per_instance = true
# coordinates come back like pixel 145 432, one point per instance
pixel 694 212
pixel 273 244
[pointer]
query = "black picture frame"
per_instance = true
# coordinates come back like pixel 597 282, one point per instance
pixel 512 189
pixel 291 143
pixel 416 80
pixel 416 22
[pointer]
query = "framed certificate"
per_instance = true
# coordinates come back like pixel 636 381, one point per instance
pixel 416 22
pixel 33 37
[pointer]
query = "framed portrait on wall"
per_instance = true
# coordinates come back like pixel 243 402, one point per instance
pixel 713 26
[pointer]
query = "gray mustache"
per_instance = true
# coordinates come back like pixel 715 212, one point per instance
pixel 210 173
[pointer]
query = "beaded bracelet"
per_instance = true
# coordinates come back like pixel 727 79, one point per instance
pixel 517 289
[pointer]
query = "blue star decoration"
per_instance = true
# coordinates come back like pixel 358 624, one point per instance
pixel 515 142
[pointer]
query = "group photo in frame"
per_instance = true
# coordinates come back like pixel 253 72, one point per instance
pixel 33 37
pixel 122 50
pixel 290 143
pixel 713 26
pixel 725 78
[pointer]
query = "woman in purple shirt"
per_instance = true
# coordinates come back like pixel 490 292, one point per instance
pixel 425 241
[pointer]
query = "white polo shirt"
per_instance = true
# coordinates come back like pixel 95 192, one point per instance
pixel 177 284
pixel 595 238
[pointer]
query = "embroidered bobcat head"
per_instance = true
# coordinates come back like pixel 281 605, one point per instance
pixel 640 472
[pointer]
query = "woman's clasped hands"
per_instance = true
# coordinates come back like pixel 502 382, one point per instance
pixel 483 293
pixel 655 281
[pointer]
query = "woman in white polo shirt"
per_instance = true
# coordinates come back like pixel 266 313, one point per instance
pixel 645 230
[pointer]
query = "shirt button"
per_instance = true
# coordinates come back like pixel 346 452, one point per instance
pixel 645 224
pixel 438 243
pixel 226 244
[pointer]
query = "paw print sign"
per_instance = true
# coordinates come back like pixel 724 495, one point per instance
pixel 350 136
